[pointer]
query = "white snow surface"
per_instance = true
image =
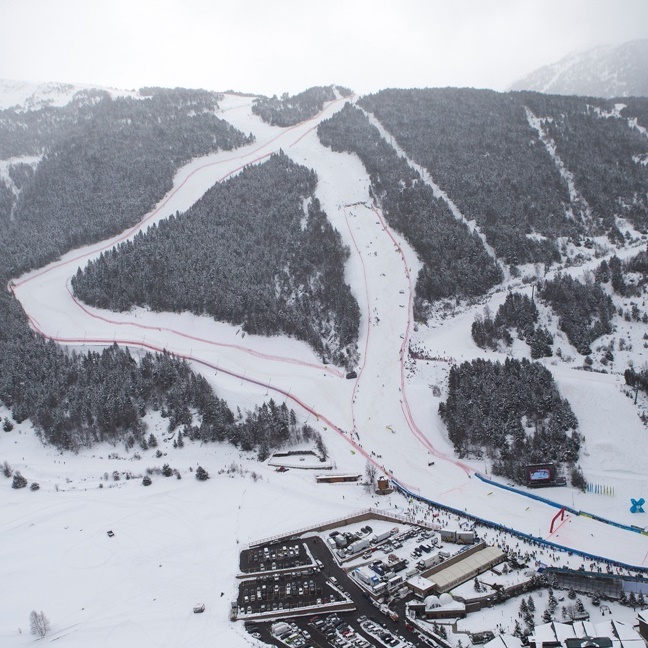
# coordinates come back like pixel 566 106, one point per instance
pixel 176 542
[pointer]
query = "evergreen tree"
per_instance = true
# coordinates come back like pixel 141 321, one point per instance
pixel 18 481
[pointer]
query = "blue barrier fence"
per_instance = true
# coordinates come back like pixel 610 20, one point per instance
pixel 598 518
pixel 519 534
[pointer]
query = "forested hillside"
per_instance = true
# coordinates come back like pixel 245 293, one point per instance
pixel 485 150
pixel 455 261
pixel 98 166
pixel 536 174
pixel 250 253
pixel 290 110
pixel 105 163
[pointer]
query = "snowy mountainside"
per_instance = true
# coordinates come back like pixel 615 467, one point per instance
pixel 176 542
pixel 23 95
pixel 608 72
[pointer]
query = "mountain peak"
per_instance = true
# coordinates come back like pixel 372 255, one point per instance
pixel 608 72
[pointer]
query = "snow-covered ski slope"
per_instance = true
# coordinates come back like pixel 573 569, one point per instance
pixel 387 415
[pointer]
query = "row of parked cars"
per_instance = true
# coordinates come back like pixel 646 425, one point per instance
pixel 386 637
pixel 339 633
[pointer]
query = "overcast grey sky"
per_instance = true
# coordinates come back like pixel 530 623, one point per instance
pixel 273 46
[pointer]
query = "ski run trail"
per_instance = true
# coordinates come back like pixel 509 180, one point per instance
pixel 387 415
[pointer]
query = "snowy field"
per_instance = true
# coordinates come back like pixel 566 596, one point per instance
pixel 176 542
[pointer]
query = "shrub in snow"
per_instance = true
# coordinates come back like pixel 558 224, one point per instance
pixel 34 486
pixel 166 470
pixel 7 425
pixel 201 474
pixel 18 481
pixel 38 623
pixel 7 470
pixel 147 481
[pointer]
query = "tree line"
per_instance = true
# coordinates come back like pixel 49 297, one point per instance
pixel 289 110
pixel 520 313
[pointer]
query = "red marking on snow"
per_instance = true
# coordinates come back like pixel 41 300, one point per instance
pixel 563 519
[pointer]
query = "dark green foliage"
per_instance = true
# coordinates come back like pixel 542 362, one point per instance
pixel 600 149
pixel 637 380
pixel 489 402
pixel 256 261
pixel 288 111
pixel 455 261
pixel 486 335
pixel 481 150
pixel 201 474
pixel 577 479
pixel 7 425
pixel 616 276
pixel 146 481
pixel 617 272
pixel 7 201
pixel 77 400
pixel 518 312
pixel 585 310
pixel 18 481
pixel 540 343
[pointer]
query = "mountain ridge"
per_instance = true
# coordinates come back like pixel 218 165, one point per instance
pixel 608 72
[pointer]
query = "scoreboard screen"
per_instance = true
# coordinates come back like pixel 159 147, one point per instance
pixel 540 474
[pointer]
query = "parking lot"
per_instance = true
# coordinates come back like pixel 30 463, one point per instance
pixel 286 591
pixel 336 630
pixel 274 557
pixel 298 586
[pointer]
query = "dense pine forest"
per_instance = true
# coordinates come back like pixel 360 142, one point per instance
pixel 512 413
pixel 102 164
pixel 249 253
pixel 290 110
pixel 491 153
